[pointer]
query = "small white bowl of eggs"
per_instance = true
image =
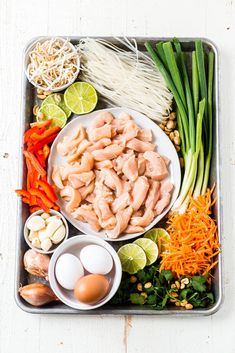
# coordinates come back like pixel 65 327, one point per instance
pixel 85 272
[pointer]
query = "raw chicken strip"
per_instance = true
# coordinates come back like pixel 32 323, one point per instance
pixel 121 202
pixel 70 142
pixel 130 131
pixel 112 180
pixel 134 229
pixel 86 177
pixel 145 135
pixel 99 144
pixel 56 177
pixel 119 161
pixel 162 203
pixel 139 192
pixel 123 218
pixel 130 169
pixel 85 213
pixel 106 218
pixel 109 152
pixel 140 146
pixel 145 220
pixel 74 181
pixel 156 167
pixel 141 161
pixel 90 198
pixel 100 133
pixel 86 190
pixel 79 151
pixel 153 195
pixel 104 164
pixel 166 187
pixel 86 164
pixel 73 197
pixel 120 123
pixel 101 119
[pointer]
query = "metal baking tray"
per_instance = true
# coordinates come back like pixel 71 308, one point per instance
pixel 21 277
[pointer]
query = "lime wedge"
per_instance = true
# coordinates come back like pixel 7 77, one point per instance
pixel 52 111
pixel 58 99
pixel 132 258
pixel 81 97
pixel 159 236
pixel 150 248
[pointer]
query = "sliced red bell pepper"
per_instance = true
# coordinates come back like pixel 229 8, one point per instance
pixel 47 188
pixel 29 132
pixel 42 205
pixel 56 207
pixel 46 151
pixel 35 163
pixel 42 143
pixel 39 194
pixel 26 200
pixel 34 209
pixel 39 137
pixel 42 124
pixel 24 193
pixel 40 158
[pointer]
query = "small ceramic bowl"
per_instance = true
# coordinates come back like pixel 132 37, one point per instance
pixel 54 246
pixel 26 62
pixel 73 246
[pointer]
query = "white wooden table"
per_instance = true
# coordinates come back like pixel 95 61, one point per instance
pixel 19 21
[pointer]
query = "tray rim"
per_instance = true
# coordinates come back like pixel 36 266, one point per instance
pixel 117 311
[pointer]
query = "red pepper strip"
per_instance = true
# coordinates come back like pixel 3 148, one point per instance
pixel 39 194
pixel 40 158
pixel 35 163
pixel 29 132
pixel 56 207
pixel 26 200
pixel 24 193
pixel 28 181
pixel 41 144
pixel 38 137
pixel 47 188
pixel 46 151
pixel 42 205
pixel 42 124
pixel 34 209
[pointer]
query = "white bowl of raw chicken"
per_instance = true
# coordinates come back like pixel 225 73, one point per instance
pixel 164 147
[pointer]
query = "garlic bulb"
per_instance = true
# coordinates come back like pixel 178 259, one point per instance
pixel 37 294
pixel 35 263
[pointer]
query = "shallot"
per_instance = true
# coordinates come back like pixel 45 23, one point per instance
pixel 37 294
pixel 36 264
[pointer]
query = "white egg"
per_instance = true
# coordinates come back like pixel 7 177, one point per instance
pixel 96 259
pixel 68 271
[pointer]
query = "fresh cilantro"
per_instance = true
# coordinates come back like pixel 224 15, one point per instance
pixel 199 283
pixel 137 298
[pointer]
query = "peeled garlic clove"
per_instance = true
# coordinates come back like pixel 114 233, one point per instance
pixel 58 235
pixel 36 243
pixel 36 263
pixel 46 244
pixel 37 294
pixel 45 215
pixel 32 235
pixel 36 223
pixel 42 234
pixel 53 226
pixel 51 218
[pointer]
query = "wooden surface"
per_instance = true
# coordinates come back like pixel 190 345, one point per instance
pixel 21 20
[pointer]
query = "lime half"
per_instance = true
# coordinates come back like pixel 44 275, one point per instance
pixel 150 248
pixel 58 99
pixel 52 111
pixel 81 97
pixel 132 258
pixel 159 236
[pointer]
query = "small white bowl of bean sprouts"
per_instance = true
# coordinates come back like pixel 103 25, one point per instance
pixel 52 64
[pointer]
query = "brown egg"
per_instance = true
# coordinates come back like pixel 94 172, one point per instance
pixel 91 288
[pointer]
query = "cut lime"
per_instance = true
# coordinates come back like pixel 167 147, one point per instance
pixel 52 111
pixel 150 248
pixel 159 236
pixel 58 99
pixel 132 258
pixel 81 97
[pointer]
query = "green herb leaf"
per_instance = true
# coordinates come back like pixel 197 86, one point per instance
pixel 198 283
pixel 167 274
pixel 136 298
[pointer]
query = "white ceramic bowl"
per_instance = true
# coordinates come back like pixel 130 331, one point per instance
pixel 164 147
pixel 73 246
pixel 26 62
pixel 54 246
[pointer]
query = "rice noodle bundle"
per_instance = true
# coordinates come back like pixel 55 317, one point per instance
pixel 125 77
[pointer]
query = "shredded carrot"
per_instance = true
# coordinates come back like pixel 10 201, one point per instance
pixel 193 239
